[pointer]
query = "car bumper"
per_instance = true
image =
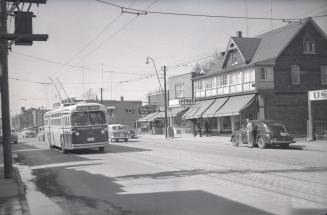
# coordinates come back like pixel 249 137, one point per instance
pixel 278 142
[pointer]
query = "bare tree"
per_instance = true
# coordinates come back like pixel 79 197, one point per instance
pixel 89 95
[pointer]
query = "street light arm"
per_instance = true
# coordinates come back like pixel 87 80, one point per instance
pixel 155 68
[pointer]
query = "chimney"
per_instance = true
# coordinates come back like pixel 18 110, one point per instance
pixel 239 33
pixel 122 98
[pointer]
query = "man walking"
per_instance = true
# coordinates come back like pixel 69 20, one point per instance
pixel 249 132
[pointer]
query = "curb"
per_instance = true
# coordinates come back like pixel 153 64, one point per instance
pixel 22 194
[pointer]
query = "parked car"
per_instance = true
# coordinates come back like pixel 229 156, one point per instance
pixel 41 133
pixel 29 132
pixel 268 132
pixel 13 137
pixel 118 132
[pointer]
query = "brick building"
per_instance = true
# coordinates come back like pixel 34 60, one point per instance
pixel 264 77
pixel 122 112
pixel 32 117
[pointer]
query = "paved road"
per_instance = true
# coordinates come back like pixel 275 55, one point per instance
pixel 180 176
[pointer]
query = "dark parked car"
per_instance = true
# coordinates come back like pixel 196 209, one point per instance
pixel 268 132
pixel 13 137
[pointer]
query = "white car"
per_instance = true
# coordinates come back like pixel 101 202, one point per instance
pixel 118 132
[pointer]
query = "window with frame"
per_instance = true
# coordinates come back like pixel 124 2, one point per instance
pixel 263 73
pixel 295 70
pixel 323 74
pixel 234 57
pixel 309 47
pixel 179 90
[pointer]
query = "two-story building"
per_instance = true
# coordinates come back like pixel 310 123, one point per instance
pixel 264 77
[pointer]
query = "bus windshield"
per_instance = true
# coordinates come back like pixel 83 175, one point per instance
pixel 86 118
pixel 97 117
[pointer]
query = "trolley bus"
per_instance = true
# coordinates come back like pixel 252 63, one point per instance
pixel 78 126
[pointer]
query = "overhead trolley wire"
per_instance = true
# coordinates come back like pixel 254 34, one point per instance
pixel 75 66
pixel 146 12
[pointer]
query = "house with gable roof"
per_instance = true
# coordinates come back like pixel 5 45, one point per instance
pixel 264 77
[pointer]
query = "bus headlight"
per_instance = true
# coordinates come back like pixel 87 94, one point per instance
pixel 76 133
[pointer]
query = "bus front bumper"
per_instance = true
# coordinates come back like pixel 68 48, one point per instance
pixel 89 145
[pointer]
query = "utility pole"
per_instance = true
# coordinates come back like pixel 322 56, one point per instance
pixel 164 68
pixel 22 36
pixel 101 92
pixel 7 156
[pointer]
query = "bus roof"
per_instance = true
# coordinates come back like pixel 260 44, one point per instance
pixel 78 107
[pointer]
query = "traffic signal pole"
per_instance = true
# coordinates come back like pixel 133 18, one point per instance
pixel 7 156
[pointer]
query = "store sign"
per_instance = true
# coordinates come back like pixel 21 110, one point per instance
pixel 147 109
pixel 318 95
pixel 186 102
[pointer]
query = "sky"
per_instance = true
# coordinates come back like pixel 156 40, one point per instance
pixel 87 37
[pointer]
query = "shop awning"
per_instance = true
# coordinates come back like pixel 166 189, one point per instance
pixel 175 111
pixel 190 112
pixel 147 117
pixel 204 106
pixel 157 116
pixel 211 111
pixel 198 109
pixel 234 105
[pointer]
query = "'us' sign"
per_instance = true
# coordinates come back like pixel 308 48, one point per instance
pixel 318 95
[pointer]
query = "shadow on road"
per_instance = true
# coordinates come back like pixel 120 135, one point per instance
pixel 112 148
pixel 194 172
pixel 101 194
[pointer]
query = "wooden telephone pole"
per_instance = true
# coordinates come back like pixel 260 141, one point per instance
pixel 22 36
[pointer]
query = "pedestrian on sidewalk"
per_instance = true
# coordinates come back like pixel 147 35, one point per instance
pixel 250 132
pixel 198 127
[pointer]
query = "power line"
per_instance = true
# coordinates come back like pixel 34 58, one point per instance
pixel 73 66
pixel 113 35
pixel 146 12
pixel 98 35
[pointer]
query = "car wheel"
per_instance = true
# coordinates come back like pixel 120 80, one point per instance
pixel 101 149
pixel 117 140
pixel 261 143
pixel 234 141
pixel 285 146
pixel 126 140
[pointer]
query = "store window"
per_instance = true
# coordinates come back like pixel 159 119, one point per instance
pixel 295 70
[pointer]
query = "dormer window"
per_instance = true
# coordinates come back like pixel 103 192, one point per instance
pixel 234 58
pixel 309 45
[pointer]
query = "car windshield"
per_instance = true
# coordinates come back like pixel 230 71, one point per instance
pixel 86 118
pixel 118 127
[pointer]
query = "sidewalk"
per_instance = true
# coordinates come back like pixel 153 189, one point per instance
pixel 12 194
pixel 188 137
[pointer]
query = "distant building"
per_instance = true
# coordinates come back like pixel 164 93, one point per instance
pixel 122 112
pixel 32 117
